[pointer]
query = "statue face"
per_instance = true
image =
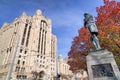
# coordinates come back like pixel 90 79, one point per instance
pixel 86 14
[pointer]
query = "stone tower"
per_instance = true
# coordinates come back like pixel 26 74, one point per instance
pixel 27 45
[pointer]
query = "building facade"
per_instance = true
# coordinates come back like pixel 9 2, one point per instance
pixel 27 45
pixel 63 69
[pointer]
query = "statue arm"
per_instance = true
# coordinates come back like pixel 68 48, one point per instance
pixel 85 22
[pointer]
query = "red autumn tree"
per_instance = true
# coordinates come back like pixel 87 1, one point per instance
pixel 108 23
pixel 79 50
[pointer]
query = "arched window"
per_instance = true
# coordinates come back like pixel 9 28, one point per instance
pixel 43 23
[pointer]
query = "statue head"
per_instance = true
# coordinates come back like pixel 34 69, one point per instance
pixel 86 15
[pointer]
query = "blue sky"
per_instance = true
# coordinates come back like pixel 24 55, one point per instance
pixel 66 15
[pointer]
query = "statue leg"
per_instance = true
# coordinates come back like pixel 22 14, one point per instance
pixel 96 42
pixel 93 41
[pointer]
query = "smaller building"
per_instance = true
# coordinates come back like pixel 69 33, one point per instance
pixel 63 69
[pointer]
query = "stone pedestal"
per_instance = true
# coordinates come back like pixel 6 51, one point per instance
pixel 102 66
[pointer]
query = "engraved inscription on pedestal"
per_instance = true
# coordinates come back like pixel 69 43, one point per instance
pixel 102 70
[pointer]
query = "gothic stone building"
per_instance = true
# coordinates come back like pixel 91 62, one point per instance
pixel 27 45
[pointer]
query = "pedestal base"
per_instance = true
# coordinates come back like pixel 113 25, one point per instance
pixel 102 66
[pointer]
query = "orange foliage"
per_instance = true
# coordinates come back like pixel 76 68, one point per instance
pixel 108 22
pixel 79 50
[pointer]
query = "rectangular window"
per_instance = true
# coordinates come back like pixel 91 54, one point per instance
pixel 17 69
pixel 17 76
pixel 23 62
pixel 18 62
pixel 24 33
pixel 37 56
pixel 45 42
pixel 39 39
pixel 10 49
pixel 43 57
pixel 19 56
pixel 42 44
pixel 21 50
pixel 23 40
pixel 28 35
pixel 22 69
pixel 7 50
pixel 25 52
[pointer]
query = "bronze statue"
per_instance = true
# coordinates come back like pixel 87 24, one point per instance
pixel 90 24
